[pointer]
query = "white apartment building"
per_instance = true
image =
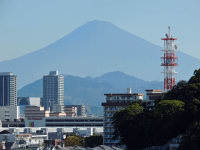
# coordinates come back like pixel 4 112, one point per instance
pixel 115 102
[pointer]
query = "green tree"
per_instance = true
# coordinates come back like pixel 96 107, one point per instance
pixel 169 121
pixel 140 127
pixel 74 140
pixel 195 78
pixel 93 141
pixel 125 124
pixel 192 140
pixel 189 93
pixel 169 107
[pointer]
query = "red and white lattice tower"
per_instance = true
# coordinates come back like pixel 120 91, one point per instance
pixel 169 61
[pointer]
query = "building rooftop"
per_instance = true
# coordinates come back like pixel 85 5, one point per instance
pixel 152 90
pixel 53 72
pixel 6 73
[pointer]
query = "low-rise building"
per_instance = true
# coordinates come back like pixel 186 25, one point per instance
pixel 80 109
pixel 50 132
pixel 74 121
pixel 38 117
pixel 15 123
pixel 64 122
pixel 71 111
pixel 27 101
pixel 57 114
pixel 9 113
pixel 36 112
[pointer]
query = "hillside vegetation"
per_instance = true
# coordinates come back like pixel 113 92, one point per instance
pixel 178 113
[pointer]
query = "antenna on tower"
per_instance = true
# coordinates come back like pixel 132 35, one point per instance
pixel 169 61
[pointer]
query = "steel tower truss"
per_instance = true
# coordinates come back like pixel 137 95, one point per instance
pixel 169 61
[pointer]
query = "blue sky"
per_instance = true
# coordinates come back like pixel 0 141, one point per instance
pixel 28 25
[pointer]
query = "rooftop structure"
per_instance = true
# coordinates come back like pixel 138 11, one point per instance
pixel 153 94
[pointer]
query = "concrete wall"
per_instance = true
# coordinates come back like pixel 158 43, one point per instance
pixel 35 122
pixel 9 112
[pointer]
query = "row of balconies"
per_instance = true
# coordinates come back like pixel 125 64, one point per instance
pixel 111 108
pixel 133 97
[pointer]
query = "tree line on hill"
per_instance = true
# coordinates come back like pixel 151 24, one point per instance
pixel 176 113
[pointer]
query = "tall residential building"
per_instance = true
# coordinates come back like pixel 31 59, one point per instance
pixel 53 92
pixel 8 89
pixel 114 103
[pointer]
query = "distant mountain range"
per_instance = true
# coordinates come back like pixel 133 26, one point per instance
pixel 90 91
pixel 93 49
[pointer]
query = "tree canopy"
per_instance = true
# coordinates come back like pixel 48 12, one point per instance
pixel 74 140
pixel 177 113
pixel 93 141
pixel 139 127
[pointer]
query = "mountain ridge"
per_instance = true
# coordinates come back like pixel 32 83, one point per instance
pixel 90 91
pixel 96 48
